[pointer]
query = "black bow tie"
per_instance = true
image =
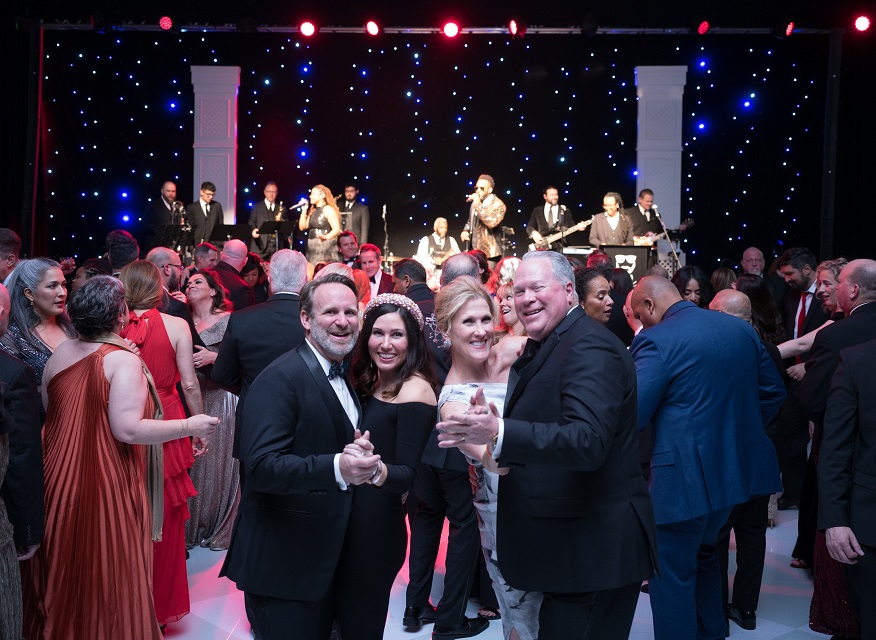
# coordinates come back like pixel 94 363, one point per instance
pixel 338 369
pixel 373 279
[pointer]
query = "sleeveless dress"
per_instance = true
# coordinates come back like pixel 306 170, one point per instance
pixel 215 474
pixel 519 609
pixel 92 575
pixel 171 586
pixel 377 538
pixel 320 250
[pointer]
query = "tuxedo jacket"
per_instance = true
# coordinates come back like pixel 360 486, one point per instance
pixel 22 489
pixel 240 293
pixel 574 513
pixel 293 517
pixel 157 217
pixel 641 226
pixel 847 460
pixel 708 388
pixel 202 226
pixel 537 222
pixel 254 338
pixel 386 283
pixel 357 220
pixel 859 327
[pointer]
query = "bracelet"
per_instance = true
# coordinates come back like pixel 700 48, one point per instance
pixel 377 472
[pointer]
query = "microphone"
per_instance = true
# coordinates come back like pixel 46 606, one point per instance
pixel 470 197
pixel 301 203
pixel 654 209
pixel 563 208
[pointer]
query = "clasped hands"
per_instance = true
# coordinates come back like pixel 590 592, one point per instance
pixel 359 464
pixel 476 426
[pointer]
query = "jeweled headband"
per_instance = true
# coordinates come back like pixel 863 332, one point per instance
pixel 398 300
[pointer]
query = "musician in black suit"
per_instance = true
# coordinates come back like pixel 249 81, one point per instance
pixel 260 334
pixel 22 487
pixel 643 215
pixel 575 520
pixel 204 214
pixel 159 214
pixel 355 216
pixel 266 210
pixel 846 469
pixel 231 261
pixel 804 314
pixel 549 218
pixel 288 551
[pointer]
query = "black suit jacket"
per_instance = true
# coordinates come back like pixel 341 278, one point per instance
pixel 574 511
pixel 815 317
pixel 537 222
pixel 22 489
pixel 847 461
pixel 641 226
pixel 264 245
pixel 357 220
pixel 293 517
pixel 202 226
pixel 859 327
pixel 240 293
pixel 617 322
pixel 157 217
pixel 254 338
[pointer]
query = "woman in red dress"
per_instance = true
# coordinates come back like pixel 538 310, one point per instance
pixel 165 344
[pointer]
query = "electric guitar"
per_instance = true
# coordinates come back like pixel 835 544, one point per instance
pixel 546 241
pixel 647 241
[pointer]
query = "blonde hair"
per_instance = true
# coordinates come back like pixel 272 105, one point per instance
pixel 452 296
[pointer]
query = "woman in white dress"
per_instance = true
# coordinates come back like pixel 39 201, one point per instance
pixel 467 316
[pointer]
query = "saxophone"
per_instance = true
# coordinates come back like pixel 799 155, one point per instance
pixel 279 217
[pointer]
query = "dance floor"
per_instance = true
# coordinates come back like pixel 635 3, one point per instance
pixel 783 613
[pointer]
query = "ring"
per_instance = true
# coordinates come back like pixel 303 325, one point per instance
pixel 463 438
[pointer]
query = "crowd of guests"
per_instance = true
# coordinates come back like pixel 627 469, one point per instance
pixel 296 411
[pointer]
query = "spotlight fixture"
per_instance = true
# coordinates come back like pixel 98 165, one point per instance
pixel 516 28
pixel 450 29
pixel 862 23
pixel 700 27
pixel 783 28
pixel 589 26
pixel 98 22
pixel 307 29
pixel 165 23
pixel 372 28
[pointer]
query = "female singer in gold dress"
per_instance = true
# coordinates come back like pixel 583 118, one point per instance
pixel 322 221
pixel 92 575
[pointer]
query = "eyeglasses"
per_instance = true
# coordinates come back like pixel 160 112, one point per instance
pixel 480 188
pixel 178 266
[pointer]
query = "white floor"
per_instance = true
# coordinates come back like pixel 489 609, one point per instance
pixel 783 613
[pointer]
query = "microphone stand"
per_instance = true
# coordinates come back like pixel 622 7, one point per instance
pixel 385 241
pixel 668 239
pixel 470 242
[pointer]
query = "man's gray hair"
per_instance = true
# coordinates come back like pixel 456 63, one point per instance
pixel 459 264
pixel 288 271
pixel 559 264
pixel 160 256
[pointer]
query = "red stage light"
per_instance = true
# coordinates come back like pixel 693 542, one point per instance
pixel 862 23
pixel 372 28
pixel 703 27
pixel 451 29
pixel 165 23
pixel 789 29
pixel 307 29
pixel 516 28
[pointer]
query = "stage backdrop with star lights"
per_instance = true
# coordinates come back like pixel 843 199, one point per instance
pixel 413 120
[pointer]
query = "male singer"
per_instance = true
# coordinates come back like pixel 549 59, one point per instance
pixel 643 215
pixel 355 216
pixel 205 214
pixel 549 218
pixel 485 218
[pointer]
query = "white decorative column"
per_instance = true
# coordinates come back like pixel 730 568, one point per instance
pixel 658 152
pixel 215 133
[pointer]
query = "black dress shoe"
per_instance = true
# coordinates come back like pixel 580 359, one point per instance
pixel 418 616
pixel 645 588
pixel 466 629
pixel 745 619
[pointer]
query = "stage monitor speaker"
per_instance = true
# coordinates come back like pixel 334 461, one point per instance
pixel 634 260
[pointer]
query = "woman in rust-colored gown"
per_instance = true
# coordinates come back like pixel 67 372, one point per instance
pixel 92 575
pixel 165 344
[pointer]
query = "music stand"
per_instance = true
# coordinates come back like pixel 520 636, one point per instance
pixel 222 233
pixel 269 227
